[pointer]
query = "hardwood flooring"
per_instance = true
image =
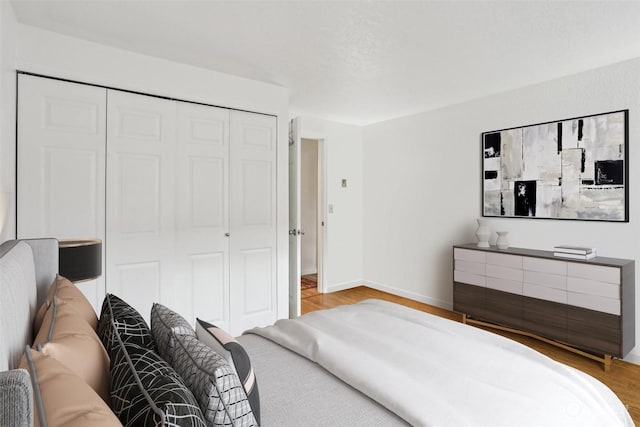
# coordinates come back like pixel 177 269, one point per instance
pixel 623 377
pixel 310 292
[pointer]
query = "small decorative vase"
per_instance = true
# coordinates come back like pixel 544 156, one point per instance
pixel 502 242
pixel 483 233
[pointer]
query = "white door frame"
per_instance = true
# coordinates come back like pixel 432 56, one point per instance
pixel 321 241
pixel 321 223
pixel 294 219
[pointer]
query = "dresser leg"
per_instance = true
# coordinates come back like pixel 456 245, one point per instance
pixel 464 318
pixel 607 362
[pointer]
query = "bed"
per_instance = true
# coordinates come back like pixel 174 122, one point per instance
pixel 371 363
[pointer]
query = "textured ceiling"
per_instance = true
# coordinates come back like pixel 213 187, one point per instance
pixel 362 62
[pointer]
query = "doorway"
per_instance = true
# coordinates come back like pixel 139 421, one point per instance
pixel 310 219
pixel 313 230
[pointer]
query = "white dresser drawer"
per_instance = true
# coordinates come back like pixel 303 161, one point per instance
pixel 593 302
pixel 544 293
pixel 504 272
pixel 513 261
pixel 469 278
pixel 545 265
pixel 505 285
pixel 592 287
pixel 469 255
pixel 543 279
pixel 470 267
pixel 594 272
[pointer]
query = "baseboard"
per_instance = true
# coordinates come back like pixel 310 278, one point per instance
pixel 342 286
pixel 633 357
pixel 305 272
pixel 407 294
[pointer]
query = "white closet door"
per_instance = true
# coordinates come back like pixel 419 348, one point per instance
pixel 202 245
pixel 61 164
pixel 253 283
pixel 141 216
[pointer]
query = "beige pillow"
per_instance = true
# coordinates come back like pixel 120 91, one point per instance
pixel 69 292
pixel 65 290
pixel 39 317
pixel 64 398
pixel 68 338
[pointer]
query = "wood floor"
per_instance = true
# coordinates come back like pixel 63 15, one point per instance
pixel 623 377
pixel 309 292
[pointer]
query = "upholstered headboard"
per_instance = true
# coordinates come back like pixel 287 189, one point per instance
pixel 27 269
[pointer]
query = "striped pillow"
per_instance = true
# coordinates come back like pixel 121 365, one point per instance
pixel 229 348
pixel 213 383
pixel 165 324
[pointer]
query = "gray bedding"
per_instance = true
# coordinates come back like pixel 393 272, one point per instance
pixel 296 392
pixel 293 390
pixel 433 371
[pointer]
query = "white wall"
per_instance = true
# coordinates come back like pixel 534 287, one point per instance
pixel 7 121
pixel 343 160
pixel 423 185
pixel 308 206
pixel 52 54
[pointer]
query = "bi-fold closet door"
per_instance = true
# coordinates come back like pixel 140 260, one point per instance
pixel 168 203
pixel 61 164
pixel 189 196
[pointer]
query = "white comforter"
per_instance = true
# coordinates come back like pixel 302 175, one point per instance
pixel 435 372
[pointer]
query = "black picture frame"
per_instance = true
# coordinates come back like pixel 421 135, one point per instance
pixel 574 169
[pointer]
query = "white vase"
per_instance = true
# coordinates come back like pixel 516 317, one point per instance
pixel 502 242
pixel 483 233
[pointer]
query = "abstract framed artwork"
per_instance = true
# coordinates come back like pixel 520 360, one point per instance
pixel 568 169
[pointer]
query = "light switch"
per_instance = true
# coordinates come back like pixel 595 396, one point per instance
pixel 330 208
pixel 344 183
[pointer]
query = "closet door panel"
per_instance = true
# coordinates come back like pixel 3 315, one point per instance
pixel 137 203
pixel 68 194
pixel 202 244
pixel 253 220
pixel 207 192
pixel 256 265
pixel 257 193
pixel 208 288
pixel 61 164
pixel 141 199
pixel 138 283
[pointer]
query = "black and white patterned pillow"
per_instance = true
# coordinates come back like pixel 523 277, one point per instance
pixel 126 320
pixel 229 348
pixel 213 382
pixel 146 391
pixel 165 325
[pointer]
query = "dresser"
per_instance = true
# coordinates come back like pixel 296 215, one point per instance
pixel 584 304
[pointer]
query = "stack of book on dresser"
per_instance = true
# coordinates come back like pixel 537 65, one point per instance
pixel 575 252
